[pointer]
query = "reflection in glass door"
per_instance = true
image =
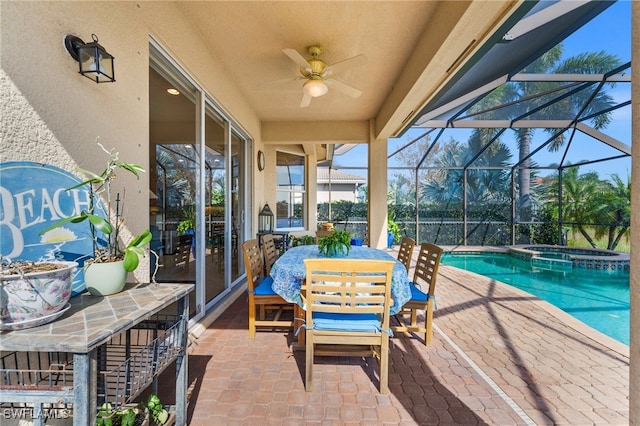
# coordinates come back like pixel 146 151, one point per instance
pixel 215 204
pixel 173 176
pixel 238 174
pixel 223 214
pixel 197 187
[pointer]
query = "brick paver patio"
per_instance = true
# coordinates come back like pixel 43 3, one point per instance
pixel 499 356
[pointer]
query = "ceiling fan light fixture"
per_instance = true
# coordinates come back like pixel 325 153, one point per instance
pixel 315 88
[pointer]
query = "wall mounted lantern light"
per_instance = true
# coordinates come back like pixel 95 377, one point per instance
pixel 95 62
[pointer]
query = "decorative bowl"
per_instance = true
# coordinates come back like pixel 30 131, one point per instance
pixel 27 297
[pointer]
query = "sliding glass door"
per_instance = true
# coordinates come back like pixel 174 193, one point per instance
pixel 198 186
pixel 224 207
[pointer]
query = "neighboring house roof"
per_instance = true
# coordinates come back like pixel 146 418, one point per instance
pixel 338 177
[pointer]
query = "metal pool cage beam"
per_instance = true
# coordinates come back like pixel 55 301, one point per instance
pixel 459 119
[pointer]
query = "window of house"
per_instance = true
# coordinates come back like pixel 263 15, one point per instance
pixel 290 178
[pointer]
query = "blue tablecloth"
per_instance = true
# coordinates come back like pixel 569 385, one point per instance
pixel 288 273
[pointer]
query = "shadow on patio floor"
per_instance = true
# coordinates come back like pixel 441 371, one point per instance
pixel 261 381
pixel 499 356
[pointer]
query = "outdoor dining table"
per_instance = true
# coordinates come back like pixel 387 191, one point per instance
pixel 288 273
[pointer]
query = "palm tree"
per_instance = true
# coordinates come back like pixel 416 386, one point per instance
pixel 488 188
pixel 482 184
pixel 401 191
pixel 175 185
pixel 527 99
pixel 445 185
pixel 617 215
pixel 488 184
pixel 583 200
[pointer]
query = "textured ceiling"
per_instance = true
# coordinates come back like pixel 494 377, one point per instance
pixel 420 54
pixel 248 38
pixel 410 46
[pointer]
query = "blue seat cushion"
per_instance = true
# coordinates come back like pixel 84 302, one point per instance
pixel 346 322
pixel 264 288
pixel 417 295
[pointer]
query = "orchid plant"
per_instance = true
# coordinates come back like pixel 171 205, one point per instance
pixel 108 249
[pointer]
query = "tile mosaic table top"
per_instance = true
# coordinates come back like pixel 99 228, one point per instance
pixel 91 320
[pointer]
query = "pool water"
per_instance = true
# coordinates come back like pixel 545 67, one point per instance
pixel 552 255
pixel 599 299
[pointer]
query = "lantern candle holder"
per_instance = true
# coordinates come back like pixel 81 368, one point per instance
pixel 265 219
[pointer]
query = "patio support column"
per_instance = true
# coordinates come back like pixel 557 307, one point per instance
pixel 377 178
pixel 417 178
pixel 312 193
pixel 465 219
pixel 560 207
pixel 513 206
pixel 634 282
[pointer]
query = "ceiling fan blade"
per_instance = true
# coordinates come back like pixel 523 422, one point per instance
pixel 297 58
pixel 353 62
pixel 306 100
pixel 344 88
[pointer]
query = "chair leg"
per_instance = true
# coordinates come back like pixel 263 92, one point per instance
pixel 298 312
pixel 308 374
pixel 428 323
pixel 384 366
pixel 252 320
pixel 262 312
pixel 278 314
pixel 414 318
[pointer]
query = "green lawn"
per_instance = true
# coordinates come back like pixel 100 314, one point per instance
pixel 577 240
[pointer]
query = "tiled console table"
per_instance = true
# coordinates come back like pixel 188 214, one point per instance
pixel 135 327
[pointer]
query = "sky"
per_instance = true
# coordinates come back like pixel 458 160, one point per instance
pixel 610 32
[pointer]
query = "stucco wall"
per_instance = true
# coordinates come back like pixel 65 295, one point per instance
pixel 377 172
pixel 51 114
pixel 339 192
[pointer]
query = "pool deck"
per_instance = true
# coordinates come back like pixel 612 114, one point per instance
pixel 499 356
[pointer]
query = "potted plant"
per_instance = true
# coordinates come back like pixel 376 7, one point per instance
pixel 336 244
pixel 106 272
pixel 144 413
pixel 303 240
pixel 188 222
pixel 187 226
pixel 33 293
pixel 108 416
pixel 393 232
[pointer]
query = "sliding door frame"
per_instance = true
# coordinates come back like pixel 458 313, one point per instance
pixel 161 59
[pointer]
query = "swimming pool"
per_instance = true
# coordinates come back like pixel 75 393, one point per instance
pixel 599 299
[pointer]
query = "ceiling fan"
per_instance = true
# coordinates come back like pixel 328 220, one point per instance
pixel 318 74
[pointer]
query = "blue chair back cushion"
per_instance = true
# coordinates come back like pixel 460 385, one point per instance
pixel 346 322
pixel 417 295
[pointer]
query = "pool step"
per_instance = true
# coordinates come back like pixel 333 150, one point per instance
pixel 551 264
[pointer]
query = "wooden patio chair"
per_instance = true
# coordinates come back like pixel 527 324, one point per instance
pixel 261 295
pixel 422 293
pixel 405 252
pixel 181 258
pixel 270 252
pixel 347 311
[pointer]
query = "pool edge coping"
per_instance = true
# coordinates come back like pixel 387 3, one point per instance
pixel 567 319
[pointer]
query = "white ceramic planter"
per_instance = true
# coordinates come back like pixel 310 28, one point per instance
pixel 35 298
pixel 103 279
